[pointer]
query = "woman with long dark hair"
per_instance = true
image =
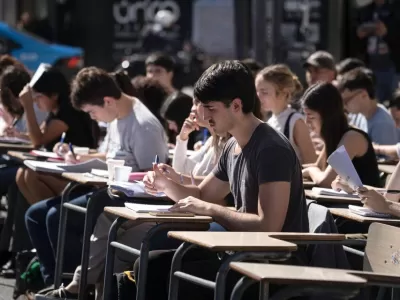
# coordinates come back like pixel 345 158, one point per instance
pixel 324 110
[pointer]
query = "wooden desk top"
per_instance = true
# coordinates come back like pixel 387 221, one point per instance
pixel 84 178
pixel 374 277
pixel 345 213
pixel 283 274
pixel 388 169
pixel 4 147
pixel 307 184
pixel 21 156
pixel 388 162
pixel 331 199
pixel 234 241
pixel 301 236
pixel 145 217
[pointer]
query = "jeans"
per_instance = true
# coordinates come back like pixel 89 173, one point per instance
pixel 42 221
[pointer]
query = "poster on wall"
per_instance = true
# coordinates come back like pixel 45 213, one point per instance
pixel 303 26
pixel 134 21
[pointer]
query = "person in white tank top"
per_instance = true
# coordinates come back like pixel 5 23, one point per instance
pixel 276 86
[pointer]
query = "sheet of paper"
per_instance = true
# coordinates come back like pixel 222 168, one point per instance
pixel 132 189
pixel 331 192
pixel 51 167
pixel 145 208
pixel 46 154
pixel 39 72
pixel 13 140
pixel 340 161
pixel 366 212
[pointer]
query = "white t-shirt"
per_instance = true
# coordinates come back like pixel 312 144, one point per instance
pixel 202 162
pixel 278 122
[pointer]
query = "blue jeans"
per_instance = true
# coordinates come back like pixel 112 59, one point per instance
pixel 42 222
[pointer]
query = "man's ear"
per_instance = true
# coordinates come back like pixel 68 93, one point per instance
pixel 237 105
pixel 108 101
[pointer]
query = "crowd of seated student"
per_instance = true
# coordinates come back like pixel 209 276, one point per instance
pixel 256 164
pixel 129 121
pixel 51 94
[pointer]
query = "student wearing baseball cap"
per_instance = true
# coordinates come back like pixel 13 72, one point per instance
pixel 320 66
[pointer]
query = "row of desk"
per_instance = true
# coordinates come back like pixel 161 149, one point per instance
pixel 247 245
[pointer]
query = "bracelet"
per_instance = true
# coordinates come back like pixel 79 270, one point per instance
pixel 181 177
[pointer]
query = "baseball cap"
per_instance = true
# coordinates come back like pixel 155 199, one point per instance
pixel 321 59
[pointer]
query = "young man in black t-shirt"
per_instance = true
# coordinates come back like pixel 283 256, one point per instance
pixel 258 165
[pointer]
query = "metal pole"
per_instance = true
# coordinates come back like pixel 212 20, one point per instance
pixel 259 30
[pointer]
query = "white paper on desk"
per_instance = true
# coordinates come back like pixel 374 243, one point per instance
pixel 50 167
pixel 330 192
pixel 46 154
pixel 340 161
pixel 14 140
pixel 132 189
pixel 146 208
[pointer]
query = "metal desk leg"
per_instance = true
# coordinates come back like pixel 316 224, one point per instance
pixel 108 273
pixel 241 286
pixel 176 265
pixel 241 256
pixel 144 252
pixel 61 233
pixel 89 222
pixel 264 290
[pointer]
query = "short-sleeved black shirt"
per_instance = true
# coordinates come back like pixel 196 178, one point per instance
pixel 267 157
pixel 81 129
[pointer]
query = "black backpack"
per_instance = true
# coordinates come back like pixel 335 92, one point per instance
pixel 28 275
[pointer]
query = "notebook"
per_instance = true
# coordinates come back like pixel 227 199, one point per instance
pixel 367 212
pixel 14 140
pixel 132 189
pixel 147 208
pixel 330 192
pixel 58 168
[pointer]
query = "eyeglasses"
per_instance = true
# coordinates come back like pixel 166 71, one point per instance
pixel 348 99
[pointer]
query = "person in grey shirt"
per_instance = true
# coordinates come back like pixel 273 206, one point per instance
pixel 358 92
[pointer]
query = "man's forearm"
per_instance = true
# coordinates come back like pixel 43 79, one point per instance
pixel 236 221
pixel 176 191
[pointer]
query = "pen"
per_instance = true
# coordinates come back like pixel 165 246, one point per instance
pixel 61 142
pixel 205 135
pixel 15 122
pixel 72 150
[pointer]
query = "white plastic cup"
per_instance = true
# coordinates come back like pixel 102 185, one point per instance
pixel 81 150
pixel 111 164
pixel 121 173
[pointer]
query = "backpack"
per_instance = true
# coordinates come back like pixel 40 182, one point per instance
pixel 28 275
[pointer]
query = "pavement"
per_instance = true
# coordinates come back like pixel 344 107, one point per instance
pixel 6 288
